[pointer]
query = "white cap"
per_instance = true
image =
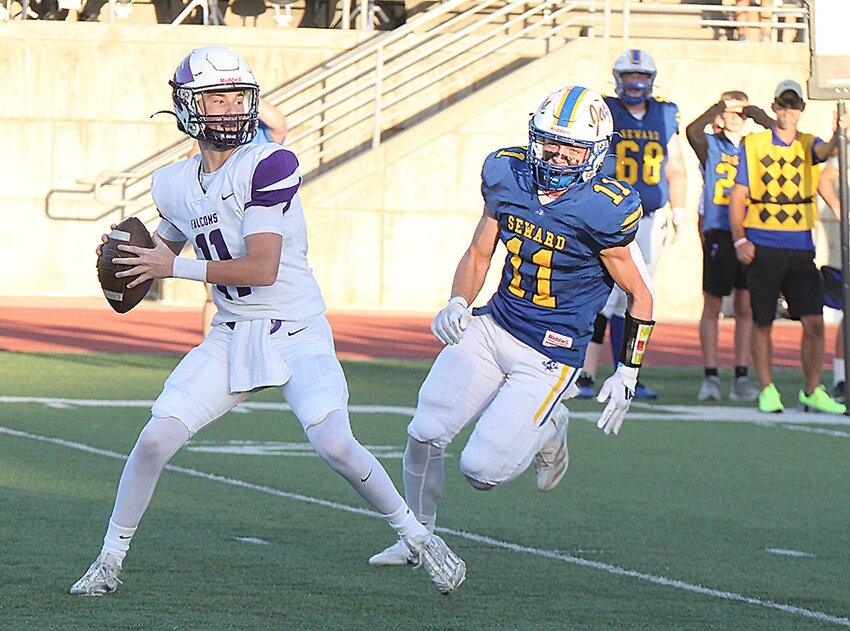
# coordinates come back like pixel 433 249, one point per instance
pixel 789 85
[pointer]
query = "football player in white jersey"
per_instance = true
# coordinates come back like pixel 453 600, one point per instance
pixel 238 205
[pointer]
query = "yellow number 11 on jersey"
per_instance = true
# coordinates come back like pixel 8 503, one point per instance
pixel 543 259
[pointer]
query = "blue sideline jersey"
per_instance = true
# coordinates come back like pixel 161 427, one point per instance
pixel 553 282
pixel 262 135
pixel 641 148
pixel 721 165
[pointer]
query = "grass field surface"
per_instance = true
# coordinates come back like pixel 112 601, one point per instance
pixel 694 517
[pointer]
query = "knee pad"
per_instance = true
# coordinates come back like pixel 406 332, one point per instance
pixel 478 468
pixel 161 438
pixel 332 438
pixel 478 485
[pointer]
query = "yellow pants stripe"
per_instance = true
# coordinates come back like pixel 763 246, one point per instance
pixel 566 372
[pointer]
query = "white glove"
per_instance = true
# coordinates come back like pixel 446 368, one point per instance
pixel 450 324
pixel 621 388
pixel 677 223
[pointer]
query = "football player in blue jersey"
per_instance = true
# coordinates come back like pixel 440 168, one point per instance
pixel 646 154
pixel 569 233
pixel 722 272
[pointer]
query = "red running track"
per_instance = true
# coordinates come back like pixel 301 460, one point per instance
pixel 358 336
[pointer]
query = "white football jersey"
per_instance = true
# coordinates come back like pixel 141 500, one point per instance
pixel 254 191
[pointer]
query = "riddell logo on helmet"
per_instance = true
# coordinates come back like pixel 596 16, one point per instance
pixel 230 80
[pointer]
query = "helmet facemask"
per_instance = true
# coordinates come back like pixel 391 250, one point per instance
pixel 557 176
pixel 643 86
pixel 222 131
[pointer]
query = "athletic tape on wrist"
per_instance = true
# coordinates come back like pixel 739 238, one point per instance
pixel 190 269
pixel 635 338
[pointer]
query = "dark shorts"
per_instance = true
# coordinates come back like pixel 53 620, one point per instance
pixel 721 269
pixel 833 287
pixel 792 273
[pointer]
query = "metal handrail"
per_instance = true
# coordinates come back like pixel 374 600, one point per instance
pixel 330 107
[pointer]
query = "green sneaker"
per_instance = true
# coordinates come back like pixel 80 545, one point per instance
pixel 769 400
pixel 820 401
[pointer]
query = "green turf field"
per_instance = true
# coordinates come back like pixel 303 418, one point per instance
pixel 693 518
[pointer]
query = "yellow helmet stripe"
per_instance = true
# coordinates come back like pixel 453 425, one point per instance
pixel 568 106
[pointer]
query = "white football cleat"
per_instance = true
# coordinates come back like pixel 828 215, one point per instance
pixel 101 577
pixel 446 569
pixel 396 554
pixel 551 462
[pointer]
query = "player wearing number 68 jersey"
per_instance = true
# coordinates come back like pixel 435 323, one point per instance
pixel 569 233
pixel 645 153
pixel 238 205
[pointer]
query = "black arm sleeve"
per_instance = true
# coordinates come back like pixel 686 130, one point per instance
pixel 759 116
pixel 695 132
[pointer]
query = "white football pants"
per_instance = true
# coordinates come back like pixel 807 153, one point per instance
pixel 198 392
pixel 511 386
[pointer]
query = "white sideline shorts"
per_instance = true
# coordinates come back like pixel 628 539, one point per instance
pixel 513 388
pixel 197 392
pixel 648 232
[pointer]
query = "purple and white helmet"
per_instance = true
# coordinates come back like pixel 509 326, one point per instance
pixel 213 69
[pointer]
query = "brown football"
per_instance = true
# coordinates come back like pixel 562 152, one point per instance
pixel 131 231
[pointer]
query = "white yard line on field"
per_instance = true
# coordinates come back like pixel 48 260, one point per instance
pixel 549 554
pixel 638 412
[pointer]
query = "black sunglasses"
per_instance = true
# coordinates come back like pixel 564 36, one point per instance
pixel 790 104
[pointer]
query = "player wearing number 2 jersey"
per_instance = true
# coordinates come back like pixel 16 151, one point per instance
pixel 569 231
pixel 717 153
pixel 238 204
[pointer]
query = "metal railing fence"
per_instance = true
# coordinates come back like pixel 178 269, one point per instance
pixel 355 100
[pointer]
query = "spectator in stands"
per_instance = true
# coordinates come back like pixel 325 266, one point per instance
pixel 722 272
pixel 48 10
pixel 828 190
pixel 753 33
pixel 773 235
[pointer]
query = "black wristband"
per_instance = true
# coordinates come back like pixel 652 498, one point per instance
pixel 635 338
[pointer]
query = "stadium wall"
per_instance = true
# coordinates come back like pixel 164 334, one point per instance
pixel 386 229
pixel 402 215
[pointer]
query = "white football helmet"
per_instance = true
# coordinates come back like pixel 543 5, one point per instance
pixel 576 117
pixel 634 60
pixel 215 69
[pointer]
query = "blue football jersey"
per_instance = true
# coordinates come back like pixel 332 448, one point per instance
pixel 721 164
pixel 553 282
pixel 638 155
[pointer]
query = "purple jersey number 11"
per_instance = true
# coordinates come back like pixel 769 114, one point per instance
pixel 217 241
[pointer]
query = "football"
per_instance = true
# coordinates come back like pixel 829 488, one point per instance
pixel 131 231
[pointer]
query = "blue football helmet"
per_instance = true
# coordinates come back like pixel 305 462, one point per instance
pixel 634 60
pixel 572 117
